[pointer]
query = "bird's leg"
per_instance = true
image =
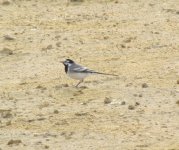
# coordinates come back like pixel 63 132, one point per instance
pixel 79 83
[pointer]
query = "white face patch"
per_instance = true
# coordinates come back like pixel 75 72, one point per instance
pixel 67 62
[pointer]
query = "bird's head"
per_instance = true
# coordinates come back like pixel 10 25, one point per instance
pixel 68 62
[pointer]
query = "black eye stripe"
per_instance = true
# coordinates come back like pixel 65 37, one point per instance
pixel 69 61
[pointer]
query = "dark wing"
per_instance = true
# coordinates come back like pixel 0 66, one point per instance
pixel 81 69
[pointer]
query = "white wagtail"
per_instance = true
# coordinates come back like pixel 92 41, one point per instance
pixel 78 72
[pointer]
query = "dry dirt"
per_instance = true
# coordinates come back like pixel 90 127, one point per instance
pixel 136 39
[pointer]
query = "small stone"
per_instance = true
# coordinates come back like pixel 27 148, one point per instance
pixel 177 81
pixel 41 119
pixel 68 22
pixel 46 147
pixel 140 95
pixel 44 49
pixel 49 47
pixel 16 142
pixel 6 2
pixel 131 107
pixel 65 85
pixel 41 87
pixel 123 103
pixel 146 24
pixel 31 120
pixel 144 85
pixel 58 44
pixel 6 51
pixel 106 37
pixel 9 37
pixel 156 32
pixel 123 46
pixel 56 111
pixel 81 114
pixel 8 123
pixel 107 100
pixel 137 103
pixel 84 103
pixel 177 102
pixel 128 40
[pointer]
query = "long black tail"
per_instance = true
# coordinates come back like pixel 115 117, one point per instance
pixel 105 74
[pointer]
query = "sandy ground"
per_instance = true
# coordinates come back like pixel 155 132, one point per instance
pixel 136 39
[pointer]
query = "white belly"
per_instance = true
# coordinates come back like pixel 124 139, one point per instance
pixel 78 76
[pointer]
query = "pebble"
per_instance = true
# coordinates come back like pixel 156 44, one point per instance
pixel 41 119
pixel 9 37
pixel 46 147
pixel 140 95
pixel 144 85
pixel 49 47
pixel 177 102
pixel 65 85
pixel 58 44
pixel 107 100
pixel 16 142
pixel 106 37
pixel 41 87
pixel 123 46
pixel 84 103
pixel 6 51
pixel 137 103
pixel 8 123
pixel 56 111
pixel 31 120
pixel 6 2
pixel 131 107
pixel 137 95
pixel 81 114
pixel 177 81
pixel 123 103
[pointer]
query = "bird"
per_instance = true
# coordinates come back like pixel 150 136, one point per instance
pixel 78 72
